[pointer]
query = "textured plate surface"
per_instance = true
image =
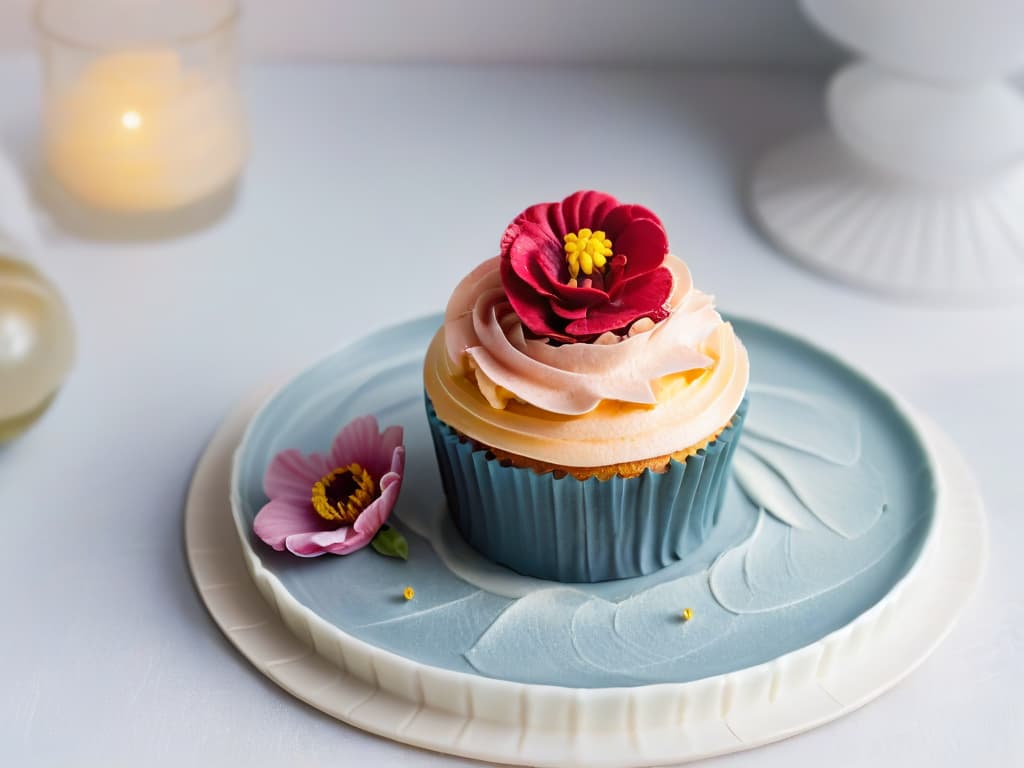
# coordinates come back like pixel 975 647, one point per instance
pixel 509 723
pixel 836 506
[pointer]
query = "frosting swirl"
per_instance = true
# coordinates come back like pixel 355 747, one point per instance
pixel 659 389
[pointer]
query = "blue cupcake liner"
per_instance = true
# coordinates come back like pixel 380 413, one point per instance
pixel 570 530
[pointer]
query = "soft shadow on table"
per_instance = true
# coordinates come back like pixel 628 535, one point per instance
pixel 76 220
pixel 73 219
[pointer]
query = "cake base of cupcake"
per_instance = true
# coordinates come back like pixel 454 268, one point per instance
pixel 377 661
pixel 553 525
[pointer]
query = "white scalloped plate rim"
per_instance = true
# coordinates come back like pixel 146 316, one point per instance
pixel 503 721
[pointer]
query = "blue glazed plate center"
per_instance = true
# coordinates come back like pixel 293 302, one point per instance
pixel 831 502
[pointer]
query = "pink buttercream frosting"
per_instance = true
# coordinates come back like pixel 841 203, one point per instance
pixel 483 332
pixel 658 389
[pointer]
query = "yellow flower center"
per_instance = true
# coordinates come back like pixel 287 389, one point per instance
pixel 586 251
pixel 342 495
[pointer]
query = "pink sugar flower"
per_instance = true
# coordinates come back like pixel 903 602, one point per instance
pixel 338 502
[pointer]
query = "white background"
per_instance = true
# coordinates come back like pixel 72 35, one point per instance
pixel 370 191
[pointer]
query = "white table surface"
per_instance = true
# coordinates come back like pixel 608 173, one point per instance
pixel 369 193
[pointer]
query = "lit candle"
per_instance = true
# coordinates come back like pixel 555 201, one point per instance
pixel 136 131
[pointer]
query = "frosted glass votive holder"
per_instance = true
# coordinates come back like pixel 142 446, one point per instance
pixel 142 111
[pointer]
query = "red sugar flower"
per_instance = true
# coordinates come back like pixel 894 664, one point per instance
pixel 576 269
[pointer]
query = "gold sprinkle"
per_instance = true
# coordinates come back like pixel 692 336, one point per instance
pixel 687 614
pixel 409 593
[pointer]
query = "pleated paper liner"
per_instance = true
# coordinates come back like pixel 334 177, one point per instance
pixel 570 530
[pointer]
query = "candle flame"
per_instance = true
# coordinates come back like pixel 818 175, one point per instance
pixel 131 120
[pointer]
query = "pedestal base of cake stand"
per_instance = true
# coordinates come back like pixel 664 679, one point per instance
pixel 828 209
pixel 913 190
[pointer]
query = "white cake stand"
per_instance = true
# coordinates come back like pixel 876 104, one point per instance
pixel 917 188
pixel 501 721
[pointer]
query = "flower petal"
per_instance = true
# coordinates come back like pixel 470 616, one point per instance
pixel 390 446
pixel 546 217
pixel 538 260
pixel 555 221
pixel 339 541
pixel 533 311
pixel 578 295
pixel 616 220
pixel 291 475
pixel 598 213
pixel 571 211
pixel 569 312
pixel 586 208
pixel 507 237
pixel 363 443
pixel 280 518
pixel 397 461
pixel 643 297
pixel 645 245
pixel 359 439
pixel 375 515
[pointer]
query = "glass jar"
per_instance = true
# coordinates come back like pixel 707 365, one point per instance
pixel 37 343
pixel 142 111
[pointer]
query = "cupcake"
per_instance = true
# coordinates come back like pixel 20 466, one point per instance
pixel 584 398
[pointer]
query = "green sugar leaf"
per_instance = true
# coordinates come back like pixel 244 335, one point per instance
pixel 390 543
